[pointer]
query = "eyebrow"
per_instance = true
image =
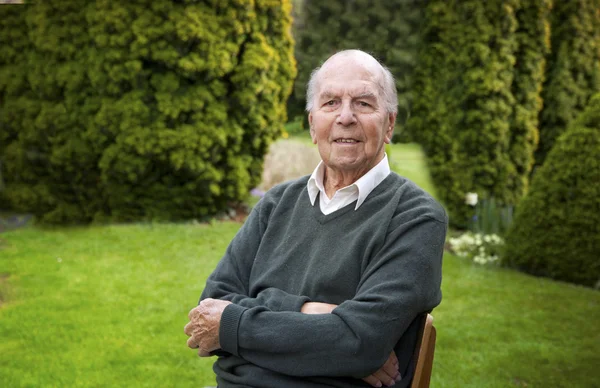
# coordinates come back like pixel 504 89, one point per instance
pixel 364 95
pixel 328 94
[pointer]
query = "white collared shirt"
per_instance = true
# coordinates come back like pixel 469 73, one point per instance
pixel 358 191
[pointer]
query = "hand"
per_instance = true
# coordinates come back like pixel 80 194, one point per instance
pixel 317 308
pixel 203 328
pixel 387 375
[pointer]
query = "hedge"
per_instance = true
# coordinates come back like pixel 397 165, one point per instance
pixel 478 78
pixel 140 110
pixel 556 230
pixel 573 73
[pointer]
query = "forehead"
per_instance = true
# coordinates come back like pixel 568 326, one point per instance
pixel 342 77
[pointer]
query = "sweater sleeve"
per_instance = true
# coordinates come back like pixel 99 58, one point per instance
pixel 401 281
pixel 229 281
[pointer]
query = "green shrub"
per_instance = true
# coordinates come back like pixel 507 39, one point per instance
pixel 296 126
pixel 479 75
pixel 556 230
pixel 128 111
pixel 13 83
pixel 573 73
pixel 532 37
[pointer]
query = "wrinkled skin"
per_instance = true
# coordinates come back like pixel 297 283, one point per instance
pixel 203 328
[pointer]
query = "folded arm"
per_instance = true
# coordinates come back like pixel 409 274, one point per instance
pixel 229 281
pixel 388 374
pixel 356 339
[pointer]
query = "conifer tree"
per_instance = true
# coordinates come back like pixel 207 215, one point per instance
pixel 128 111
pixel 478 79
pixel 573 73
pixel 13 45
pixel 556 230
pixel 532 38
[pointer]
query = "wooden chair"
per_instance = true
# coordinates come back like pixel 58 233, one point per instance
pixel 424 354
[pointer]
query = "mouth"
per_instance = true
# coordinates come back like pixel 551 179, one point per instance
pixel 346 141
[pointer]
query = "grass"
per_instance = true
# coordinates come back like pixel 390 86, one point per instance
pixel 408 160
pixel 501 328
pixel 106 306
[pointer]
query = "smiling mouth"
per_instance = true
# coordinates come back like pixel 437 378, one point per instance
pixel 346 141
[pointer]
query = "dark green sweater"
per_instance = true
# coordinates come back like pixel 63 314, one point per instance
pixel 381 263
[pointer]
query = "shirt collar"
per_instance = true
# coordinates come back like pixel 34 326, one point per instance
pixel 315 182
pixel 365 184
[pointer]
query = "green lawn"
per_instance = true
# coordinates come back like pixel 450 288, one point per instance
pixel 408 160
pixel 106 306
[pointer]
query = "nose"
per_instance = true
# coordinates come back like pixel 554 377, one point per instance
pixel 346 116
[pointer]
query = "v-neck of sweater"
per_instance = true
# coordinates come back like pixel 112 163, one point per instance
pixel 325 218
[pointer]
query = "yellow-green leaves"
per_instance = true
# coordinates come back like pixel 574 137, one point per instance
pixel 478 97
pixel 125 112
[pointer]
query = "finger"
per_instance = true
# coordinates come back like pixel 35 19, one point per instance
pixel 384 377
pixel 391 366
pixel 395 362
pixel 192 313
pixel 192 343
pixel 188 329
pixel 372 381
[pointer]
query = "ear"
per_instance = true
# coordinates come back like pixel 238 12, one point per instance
pixel 389 132
pixel 313 135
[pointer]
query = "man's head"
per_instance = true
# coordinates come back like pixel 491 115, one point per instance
pixel 352 108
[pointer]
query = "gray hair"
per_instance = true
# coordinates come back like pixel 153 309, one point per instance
pixel 386 84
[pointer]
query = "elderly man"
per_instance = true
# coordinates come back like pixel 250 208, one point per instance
pixel 323 284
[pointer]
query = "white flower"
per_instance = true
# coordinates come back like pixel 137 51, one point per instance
pixel 496 239
pixel 478 239
pixel 481 248
pixel 479 259
pixel 471 199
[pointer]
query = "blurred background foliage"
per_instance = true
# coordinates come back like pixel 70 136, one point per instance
pixel 479 76
pixel 124 111
pixel 165 110
pixel 556 231
pixel 573 70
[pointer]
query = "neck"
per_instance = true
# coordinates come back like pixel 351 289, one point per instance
pixel 334 180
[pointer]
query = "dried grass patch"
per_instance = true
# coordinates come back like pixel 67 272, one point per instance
pixel 288 159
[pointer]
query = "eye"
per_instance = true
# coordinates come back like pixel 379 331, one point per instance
pixel 364 104
pixel 330 103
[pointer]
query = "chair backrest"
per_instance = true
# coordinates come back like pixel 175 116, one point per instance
pixel 424 354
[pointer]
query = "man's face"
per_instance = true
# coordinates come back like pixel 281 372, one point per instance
pixel 349 122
